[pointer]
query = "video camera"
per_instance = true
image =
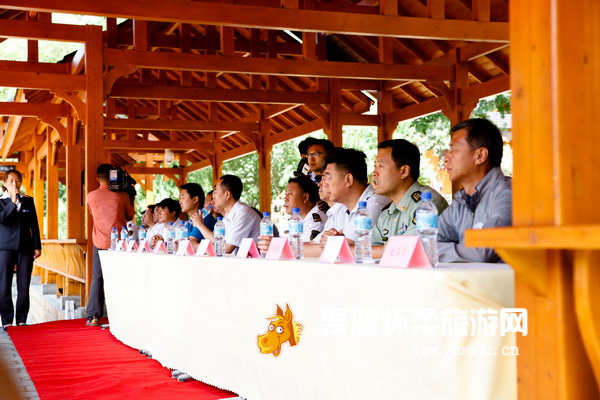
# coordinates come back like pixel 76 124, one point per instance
pixel 120 181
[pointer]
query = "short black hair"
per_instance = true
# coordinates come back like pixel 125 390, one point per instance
pixel 103 171
pixel 327 145
pixel 171 205
pixel 210 193
pixel 194 190
pixel 151 207
pixel 351 161
pixel 305 144
pixel 7 173
pixel 308 186
pixel 483 133
pixel 233 184
pixel 404 153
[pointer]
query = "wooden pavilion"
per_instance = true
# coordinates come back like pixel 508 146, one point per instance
pixel 213 80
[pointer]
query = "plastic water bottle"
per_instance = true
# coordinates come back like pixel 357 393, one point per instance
pixel 114 238
pixel 171 239
pixel 124 234
pixel 296 228
pixel 219 233
pixel 266 226
pixel 182 232
pixel 205 212
pixel 362 229
pixel 142 233
pixel 427 226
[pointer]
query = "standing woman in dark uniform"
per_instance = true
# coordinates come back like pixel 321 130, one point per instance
pixel 20 244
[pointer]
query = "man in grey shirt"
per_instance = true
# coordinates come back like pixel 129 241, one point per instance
pixel 485 201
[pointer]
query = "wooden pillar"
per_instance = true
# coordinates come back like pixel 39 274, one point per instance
pixel 217 159
pixel 149 180
pixel 38 181
pixel 94 149
pixel 51 188
pixel 264 166
pixel 555 64
pixel 75 210
pixel 335 131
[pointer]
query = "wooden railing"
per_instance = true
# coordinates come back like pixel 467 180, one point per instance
pixel 63 262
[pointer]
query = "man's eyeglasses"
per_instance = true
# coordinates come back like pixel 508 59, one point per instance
pixel 315 154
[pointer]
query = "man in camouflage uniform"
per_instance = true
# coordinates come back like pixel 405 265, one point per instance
pixel 395 176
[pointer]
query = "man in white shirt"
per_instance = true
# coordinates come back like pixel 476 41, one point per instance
pixel 240 220
pixel 346 182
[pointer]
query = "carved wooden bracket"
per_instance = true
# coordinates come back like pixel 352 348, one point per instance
pixel 56 125
pixel 253 137
pixel 115 73
pixel 73 99
pixel 320 111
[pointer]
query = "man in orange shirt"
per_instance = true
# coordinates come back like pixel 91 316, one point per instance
pixel 109 210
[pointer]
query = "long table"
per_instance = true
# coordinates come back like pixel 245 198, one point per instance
pixel 368 331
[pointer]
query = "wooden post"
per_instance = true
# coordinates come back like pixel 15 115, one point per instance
pixel 149 180
pixel 51 188
pixel 556 95
pixel 38 181
pixel 94 151
pixel 335 132
pixel 217 159
pixel 75 211
pixel 264 166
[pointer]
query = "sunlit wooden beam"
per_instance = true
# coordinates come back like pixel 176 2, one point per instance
pixel 137 145
pixel 33 109
pixel 238 15
pixel 41 30
pixel 221 95
pixel 179 125
pixel 32 80
pixel 268 66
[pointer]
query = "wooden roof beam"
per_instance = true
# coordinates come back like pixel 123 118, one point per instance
pixel 264 66
pixel 489 88
pixel 179 125
pixel 33 80
pixel 33 109
pixel 238 15
pixel 220 95
pixel 36 67
pixel 33 30
pixel 133 146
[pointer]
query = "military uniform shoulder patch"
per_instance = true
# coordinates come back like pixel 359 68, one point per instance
pixel 416 196
pixel 314 233
pixel 316 217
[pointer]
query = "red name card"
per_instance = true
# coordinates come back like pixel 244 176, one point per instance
pixel 205 248
pixel 248 249
pixel 132 246
pixel 160 248
pixel 144 247
pixel 185 248
pixel 337 250
pixel 280 249
pixel 405 252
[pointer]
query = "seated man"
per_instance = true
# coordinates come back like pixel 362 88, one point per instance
pixel 240 221
pixel 346 182
pixel 168 211
pixel 395 176
pixel 211 215
pixel 191 197
pixel 485 201
pixel 301 193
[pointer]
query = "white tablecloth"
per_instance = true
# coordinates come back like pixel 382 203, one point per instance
pixel 369 332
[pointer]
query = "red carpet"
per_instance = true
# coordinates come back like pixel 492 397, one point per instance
pixel 67 360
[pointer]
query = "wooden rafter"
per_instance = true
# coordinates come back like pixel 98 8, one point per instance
pixel 276 18
pixel 325 69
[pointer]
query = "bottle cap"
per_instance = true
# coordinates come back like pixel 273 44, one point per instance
pixel 170 224
pixel 295 210
pixel 123 227
pixel 182 223
pixel 142 226
pixel 425 196
pixel 362 203
pixel 266 214
pixel 219 218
